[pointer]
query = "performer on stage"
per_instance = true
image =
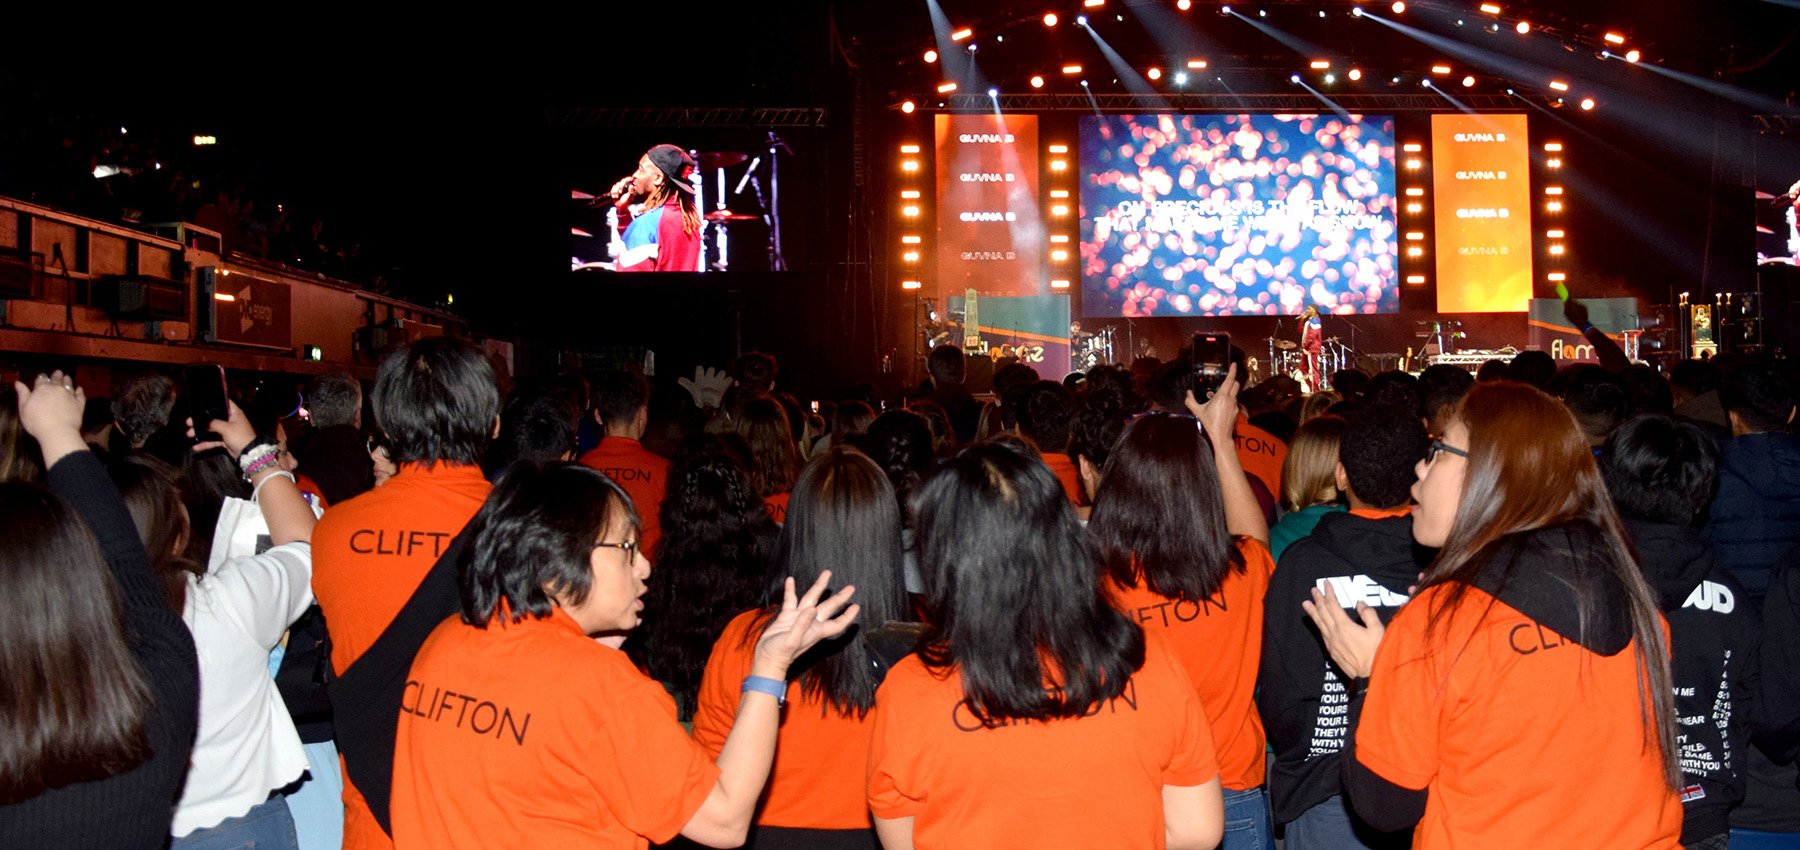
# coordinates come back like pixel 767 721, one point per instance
pixel 1312 344
pixel 663 234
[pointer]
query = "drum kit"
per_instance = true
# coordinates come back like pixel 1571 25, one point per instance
pixel 717 222
pixel 1087 350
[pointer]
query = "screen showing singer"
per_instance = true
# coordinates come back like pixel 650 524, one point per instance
pixel 1238 215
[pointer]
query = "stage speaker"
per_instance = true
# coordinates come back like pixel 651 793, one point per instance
pixel 139 297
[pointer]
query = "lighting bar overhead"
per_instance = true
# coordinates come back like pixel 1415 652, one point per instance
pixel 961 34
pixel 909 148
pixel 1196 64
pixel 1071 70
pixel 909 194
pixel 909 284
pixel 946 88
pixel 1559 85
pixel 1614 38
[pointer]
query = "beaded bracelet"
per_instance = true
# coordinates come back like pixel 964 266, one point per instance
pixel 259 463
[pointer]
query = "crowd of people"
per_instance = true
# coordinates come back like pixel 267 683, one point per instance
pixel 1543 607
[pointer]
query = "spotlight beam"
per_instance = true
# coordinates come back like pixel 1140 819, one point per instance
pixel 1299 45
pixel 1329 103
pixel 1128 76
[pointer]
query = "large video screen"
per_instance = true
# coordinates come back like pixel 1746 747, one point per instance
pixel 1238 215
pixel 1482 180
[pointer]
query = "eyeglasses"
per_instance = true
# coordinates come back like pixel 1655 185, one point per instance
pixel 1441 446
pixel 630 549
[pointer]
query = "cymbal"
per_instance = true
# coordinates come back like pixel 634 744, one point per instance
pixel 1764 196
pixel 728 215
pixel 1762 229
pixel 710 160
pixel 576 231
pixel 1286 344
pixel 578 195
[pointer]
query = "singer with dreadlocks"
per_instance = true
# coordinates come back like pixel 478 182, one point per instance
pixel 663 234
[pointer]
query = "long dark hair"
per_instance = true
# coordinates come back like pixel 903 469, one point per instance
pixel 152 491
pixel 1159 516
pixel 711 565
pixel 901 443
pixel 533 538
pixel 1530 468
pixel 843 518
pixel 20 458
pixel 774 457
pixel 1012 591
pixel 75 700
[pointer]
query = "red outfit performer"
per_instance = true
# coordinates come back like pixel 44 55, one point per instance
pixel 1312 343
pixel 664 232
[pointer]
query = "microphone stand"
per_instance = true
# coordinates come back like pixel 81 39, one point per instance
pixel 777 262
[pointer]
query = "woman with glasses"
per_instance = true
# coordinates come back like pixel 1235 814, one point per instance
pixel 1522 698
pixel 1183 549
pixel 1035 714
pixel 522 724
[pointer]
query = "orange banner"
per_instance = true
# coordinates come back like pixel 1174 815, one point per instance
pixel 1481 173
pixel 990 237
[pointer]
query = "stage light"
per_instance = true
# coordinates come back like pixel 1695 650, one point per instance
pixel 1494 27
pixel 1558 277
pixel 1553 206
pixel 1415 207
pixel 1412 147
pixel 1395 80
pixel 1614 38
pixel 1469 82
pixel 1490 9
pixel 1556 250
pixel 1050 19
pixel 910 256
pixel 1414 191
pixel 1440 70
pixel 1154 73
pixel 1553 146
pixel 907 107
pixel 1059 238
pixel 1037 81
pixel 1553 190
pixel 910 165
pixel 203 141
pixel 1196 64
pixel 1262 13
pixel 1355 74
pixel 909 148
pixel 1060 210
pixel 1399 7
pixel 1522 27
pixel 224 296
pixel 1355 11
pixel 1224 10
pixel 909 240
pixel 1330 78
pixel 1071 70
pixel 993 94
pixel 1633 56
pixel 1425 83
pixel 910 211
pixel 1059 165
pixel 961 34
pixel 1415 236
pixel 1320 64
pixel 1181 78
pixel 1553 163
pixel 1059 193
pixel 1059 256
pixel 1081 20
pixel 1415 279
pixel 1509 92
pixel 1059 148
pixel 973 46
pixel 1184 5
pixel 1059 284
pixel 1587 103
pixel 909 284
pixel 930 56
pixel 1415 251
pixel 1414 165
pixel 1554 234
pixel 946 88
pixel 1295 79
pixel 1559 85
pixel 1093 4
pixel 1084 84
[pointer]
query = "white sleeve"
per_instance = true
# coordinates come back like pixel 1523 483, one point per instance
pixel 266 592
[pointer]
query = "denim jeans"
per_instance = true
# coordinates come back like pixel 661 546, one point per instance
pixel 1330 825
pixel 1247 825
pixel 267 826
pixel 1756 839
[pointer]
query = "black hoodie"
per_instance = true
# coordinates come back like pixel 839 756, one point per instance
pixel 1303 697
pixel 1712 633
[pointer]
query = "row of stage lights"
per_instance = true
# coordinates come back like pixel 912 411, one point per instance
pixel 1064 259
pixel 1180 76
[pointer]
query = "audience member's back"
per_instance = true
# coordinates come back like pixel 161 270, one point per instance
pixel 334 454
pixel 622 410
pixel 1756 514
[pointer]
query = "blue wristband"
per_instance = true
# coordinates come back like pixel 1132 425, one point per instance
pixel 765 685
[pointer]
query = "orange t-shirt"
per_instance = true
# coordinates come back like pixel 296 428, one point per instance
pixel 643 475
pixel 530 734
pixel 778 505
pixel 1218 642
pixel 369 555
pixel 1067 472
pixel 821 756
pixel 1262 454
pixel 1092 781
pixel 1524 738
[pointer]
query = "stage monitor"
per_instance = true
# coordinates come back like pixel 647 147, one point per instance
pixel 1482 180
pixel 1238 215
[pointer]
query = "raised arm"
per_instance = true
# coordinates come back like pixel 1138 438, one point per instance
pixel 1218 417
pixel 289 517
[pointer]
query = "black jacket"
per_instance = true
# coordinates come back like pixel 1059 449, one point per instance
pixel 1755 516
pixel 1713 634
pixel 1303 698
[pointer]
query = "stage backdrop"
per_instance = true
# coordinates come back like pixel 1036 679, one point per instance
pixel 1481 174
pixel 990 234
pixel 1034 328
pixel 1237 215
pixel 1553 333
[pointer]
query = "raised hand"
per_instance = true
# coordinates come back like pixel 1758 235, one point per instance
pixel 1219 414
pixel 802 623
pixel 51 406
pixel 235 433
pixel 1352 646
pixel 708 386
